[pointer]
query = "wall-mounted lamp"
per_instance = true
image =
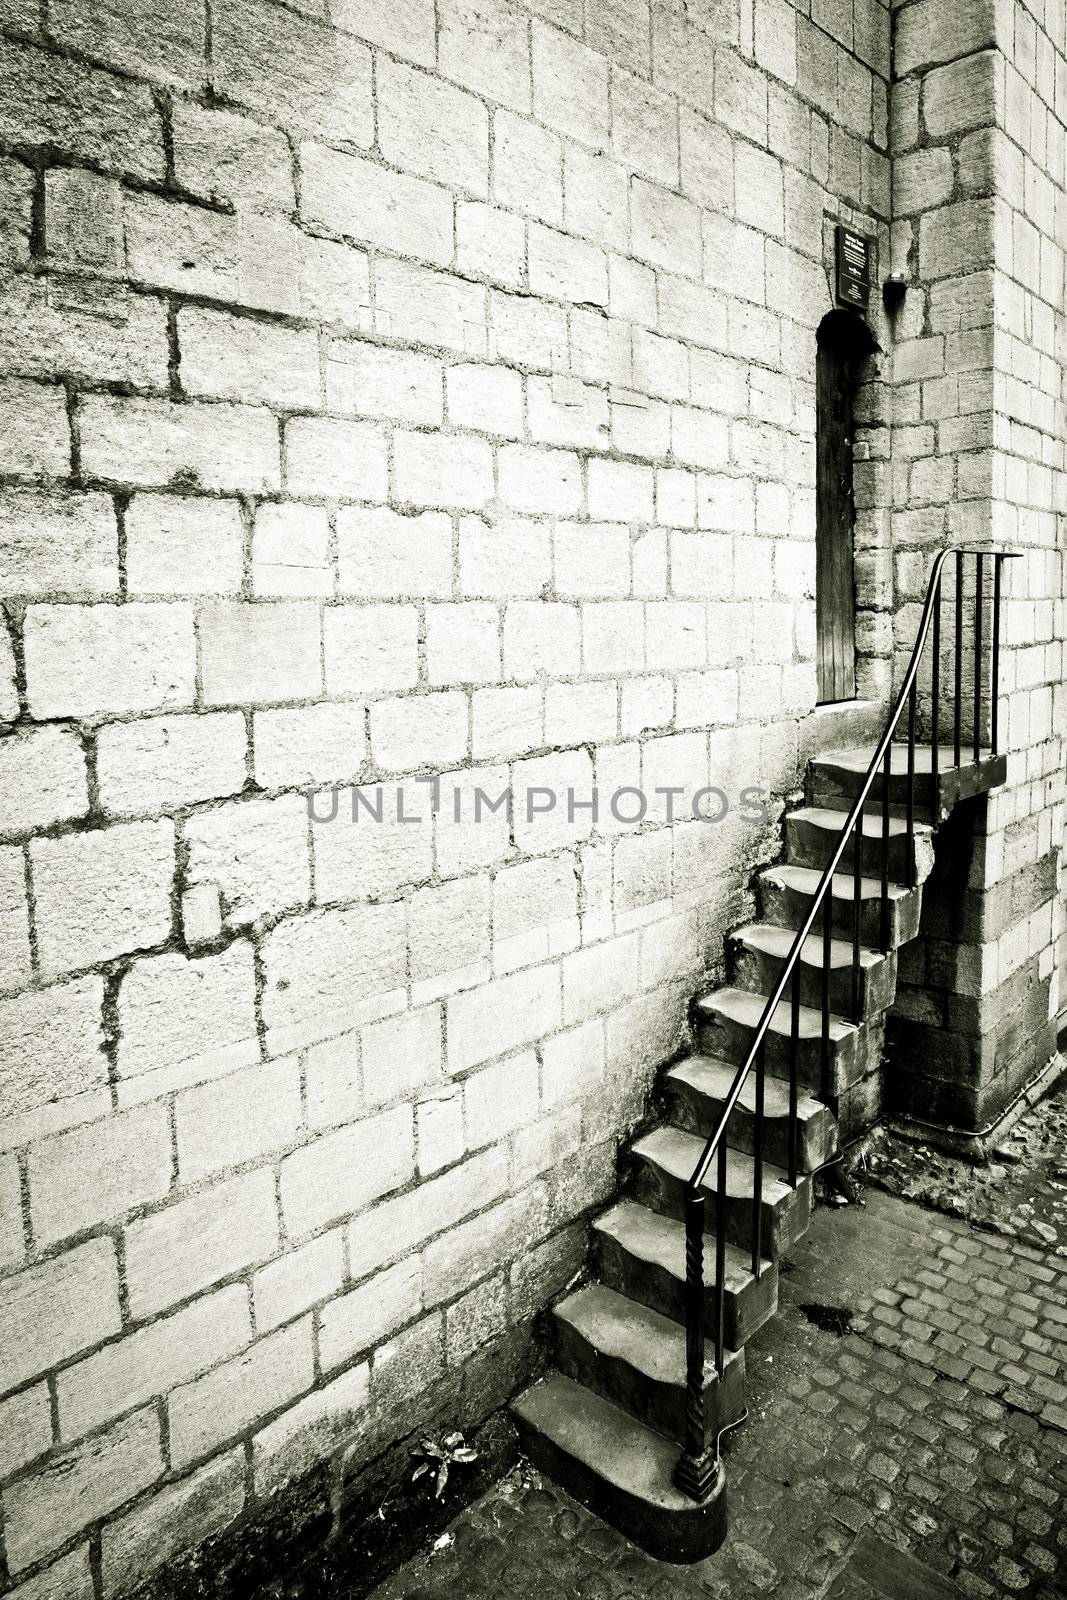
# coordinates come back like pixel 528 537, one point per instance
pixel 893 291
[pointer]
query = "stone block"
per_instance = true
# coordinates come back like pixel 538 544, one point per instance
pixel 298 1280
pixel 158 442
pixel 200 1240
pixel 42 779
pixel 256 853
pixel 393 1229
pixel 96 1173
pixel 223 1403
pixel 63 325
pixel 224 357
pixel 570 86
pixel 160 762
pixel 442 470
pixel 35 441
pixel 60 103
pixel 52 1067
pixel 427 126
pixel 240 1118
pixel 502 1016
pixel 927 33
pixel 308 745
pixel 311 1431
pixel 326 457
pixel 357 199
pixel 226 157
pixel 527 168
pixel 370 648
pixel 56 543
pixel 45 1509
pixel 151 1360
pixel 327 972
pixel 173 1521
pixel 341 1172
pixel 101 893
pixel 305 76
pixel 665 228
pixel 364 379
pixel 52 1311
pixel 260 652
pixel 408 30
pixel 363 1318
pixel 183 545
pixel 25 1428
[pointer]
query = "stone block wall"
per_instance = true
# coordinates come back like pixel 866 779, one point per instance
pixel 386 391
pixel 980 222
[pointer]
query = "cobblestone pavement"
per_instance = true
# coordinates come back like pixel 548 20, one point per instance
pixel 1021 1191
pixel 920 1452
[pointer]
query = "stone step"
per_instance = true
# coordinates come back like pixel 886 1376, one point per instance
pixel 697 1089
pixel 635 1357
pixel 785 895
pixel 835 776
pixel 759 952
pixel 725 1023
pixel 811 834
pixel 641 1253
pixel 619 1468
pixel 665 1160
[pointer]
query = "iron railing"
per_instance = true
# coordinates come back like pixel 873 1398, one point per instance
pixel 698 1467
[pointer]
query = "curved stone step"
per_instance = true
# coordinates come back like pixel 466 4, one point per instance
pixel 619 1468
pixel 666 1158
pixel 785 895
pixel 760 950
pixel 835 776
pixel 697 1090
pixel 811 834
pixel 726 1020
pixel 635 1357
pixel 641 1253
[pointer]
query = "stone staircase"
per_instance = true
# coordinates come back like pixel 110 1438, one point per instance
pixel 608 1422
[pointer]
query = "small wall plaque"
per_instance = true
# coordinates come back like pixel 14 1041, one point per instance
pixel 855 254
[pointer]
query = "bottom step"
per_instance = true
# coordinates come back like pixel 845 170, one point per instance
pixel 618 1468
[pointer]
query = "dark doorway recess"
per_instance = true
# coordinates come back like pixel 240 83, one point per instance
pixel 844 343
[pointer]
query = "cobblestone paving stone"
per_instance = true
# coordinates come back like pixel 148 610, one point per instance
pixel 1021 1191
pixel 937 1424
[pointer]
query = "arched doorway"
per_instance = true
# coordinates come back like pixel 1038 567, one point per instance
pixel 843 343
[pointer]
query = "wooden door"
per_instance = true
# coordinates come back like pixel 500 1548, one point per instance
pixel 835 589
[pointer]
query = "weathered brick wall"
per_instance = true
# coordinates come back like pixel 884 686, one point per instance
pixel 386 391
pixel 980 219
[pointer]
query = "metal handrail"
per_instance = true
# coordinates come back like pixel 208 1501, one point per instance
pixel 697 1470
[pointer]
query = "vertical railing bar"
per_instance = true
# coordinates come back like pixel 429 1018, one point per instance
pixel 977 739
pixel 883 917
pixel 957 730
pixel 720 1263
pixel 824 1030
pixel 994 676
pixel 935 706
pixel 794 1074
pixel 757 1162
pixel 695 1437
pixel 857 915
pixel 911 788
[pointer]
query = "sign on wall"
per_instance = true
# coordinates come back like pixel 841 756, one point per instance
pixel 855 255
